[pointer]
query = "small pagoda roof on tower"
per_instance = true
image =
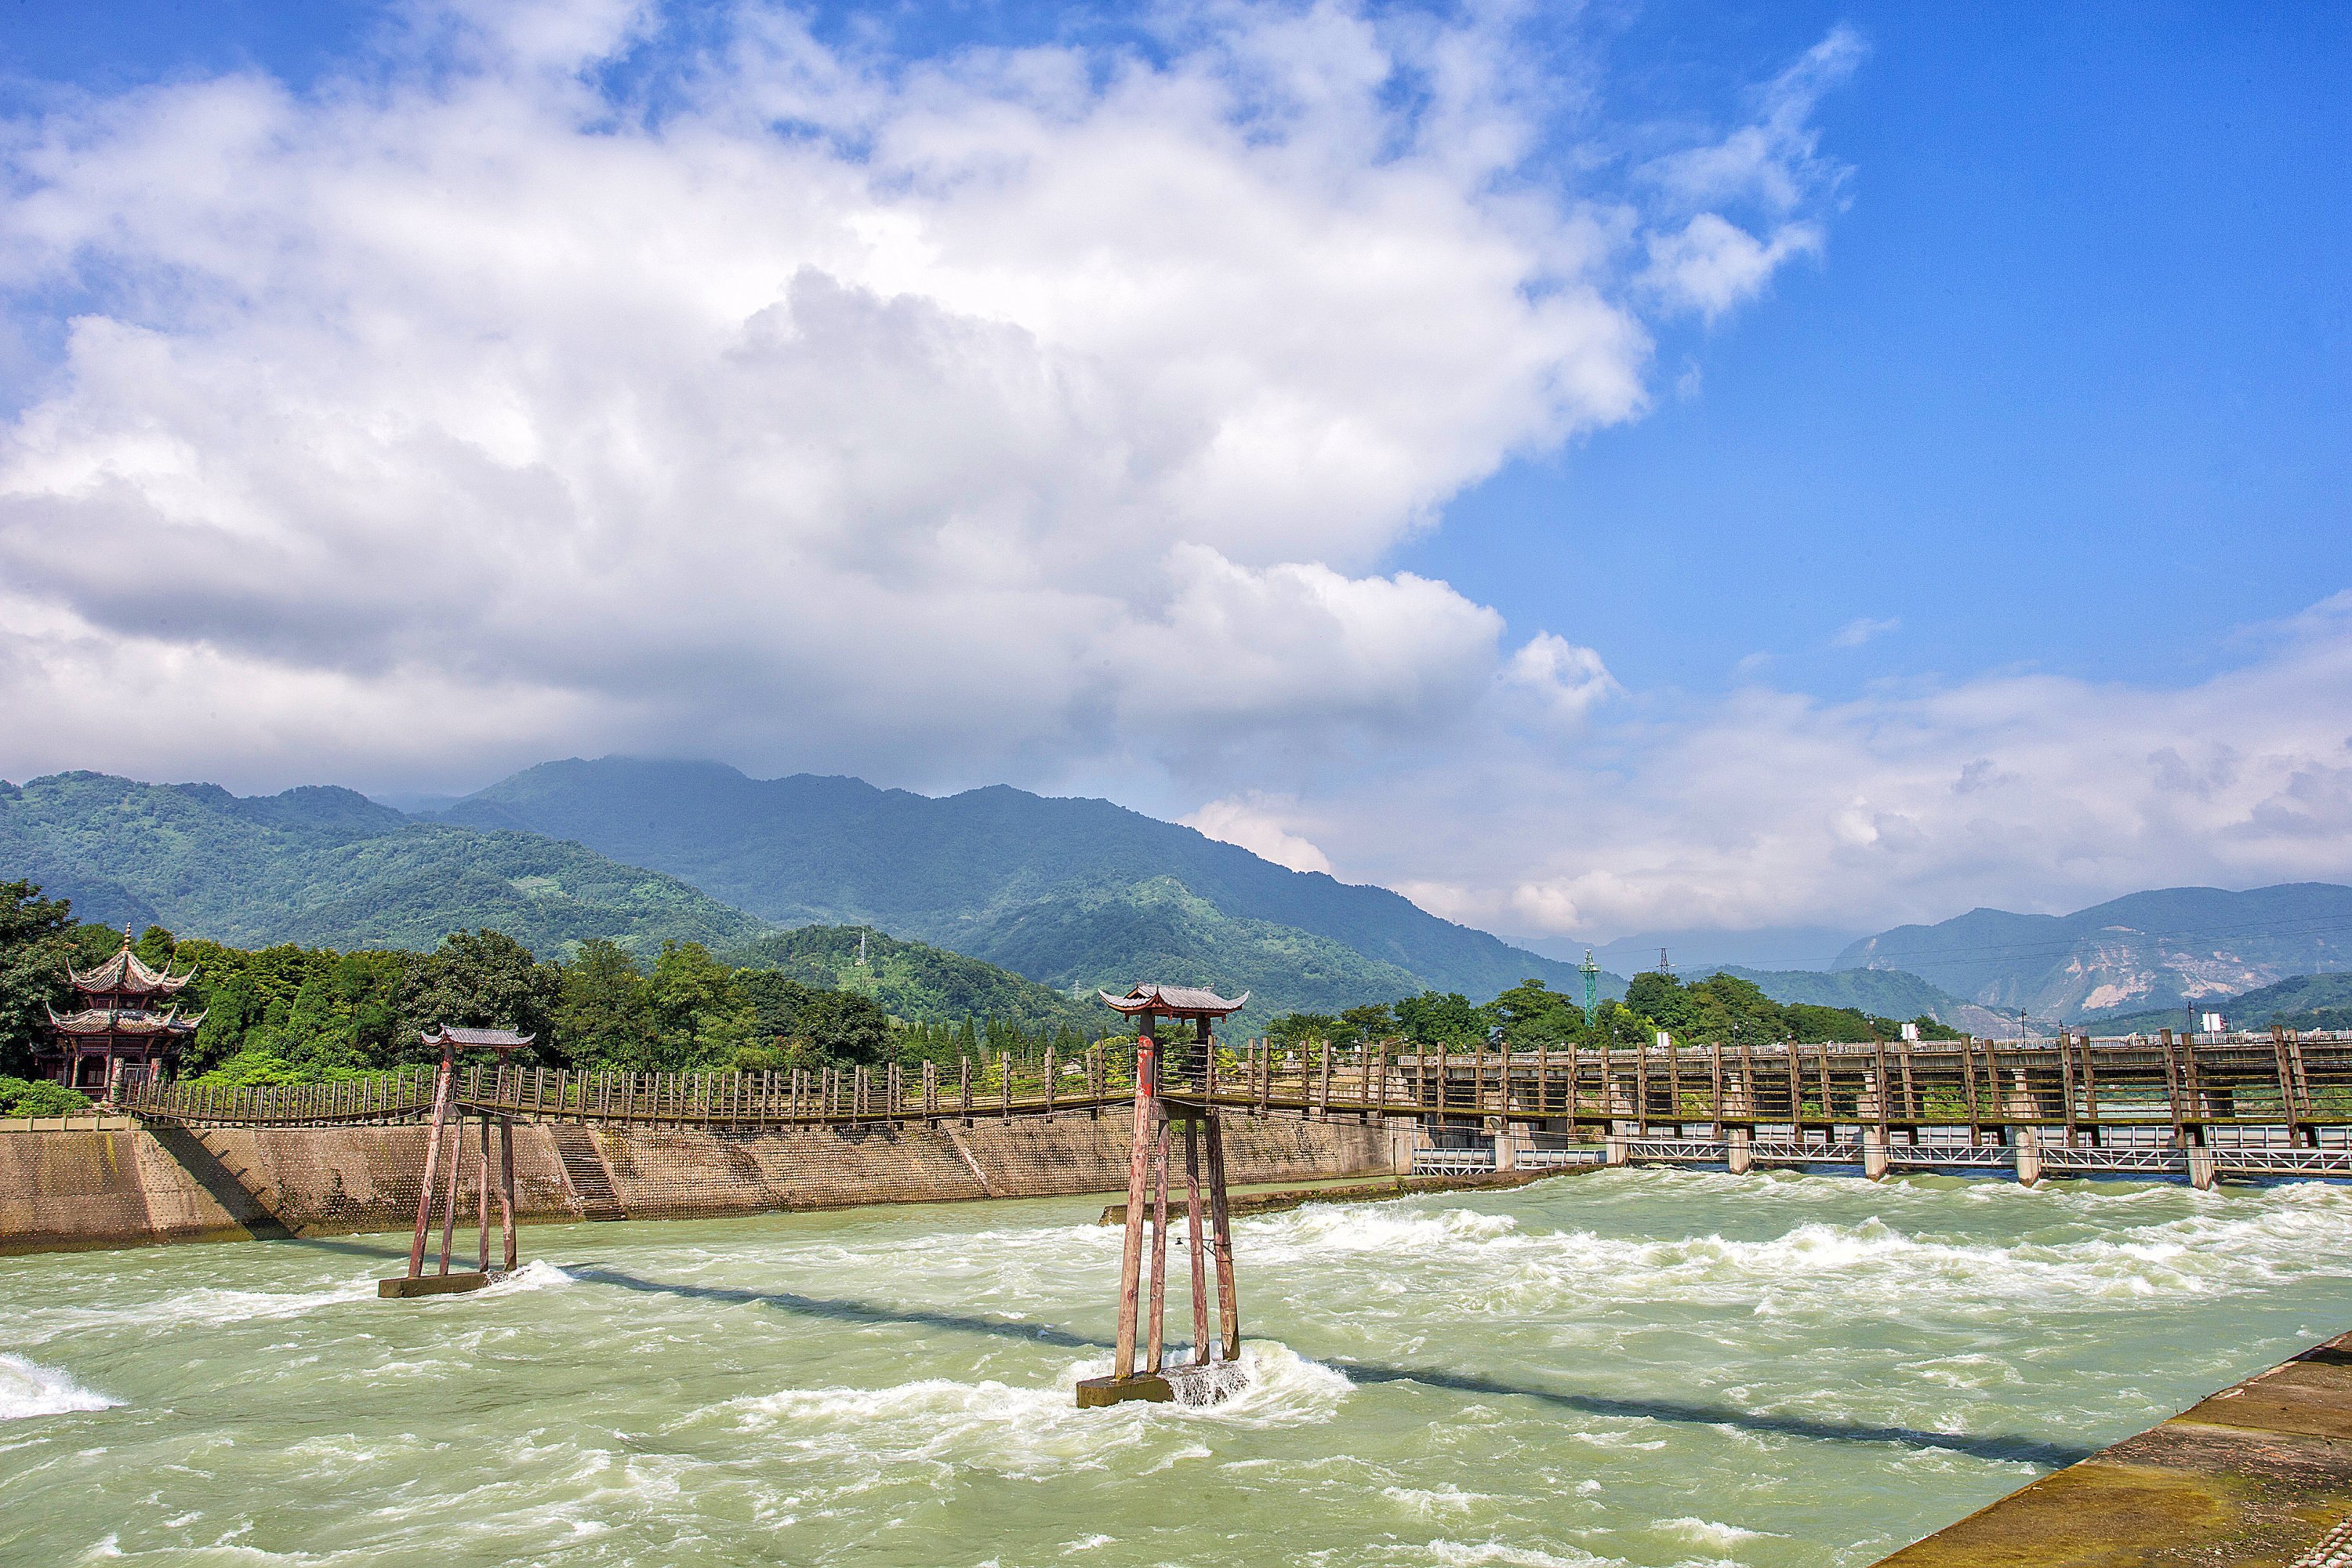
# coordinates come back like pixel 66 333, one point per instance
pixel 475 1039
pixel 127 974
pixel 1175 1001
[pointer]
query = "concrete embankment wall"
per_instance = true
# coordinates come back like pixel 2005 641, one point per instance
pixel 126 1186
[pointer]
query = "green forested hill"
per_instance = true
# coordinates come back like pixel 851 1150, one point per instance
pixel 1068 892
pixel 921 983
pixel 329 867
pixel 1878 993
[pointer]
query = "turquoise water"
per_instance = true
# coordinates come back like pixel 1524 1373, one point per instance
pixel 1641 1367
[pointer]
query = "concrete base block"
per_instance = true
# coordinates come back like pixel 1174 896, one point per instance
pixel 1874 1157
pixel 2029 1156
pixel 2201 1174
pixel 1096 1393
pixel 1741 1155
pixel 403 1287
pixel 1187 1385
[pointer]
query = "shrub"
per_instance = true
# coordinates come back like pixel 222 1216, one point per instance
pixel 38 1097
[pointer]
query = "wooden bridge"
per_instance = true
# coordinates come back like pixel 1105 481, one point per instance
pixel 2283 1102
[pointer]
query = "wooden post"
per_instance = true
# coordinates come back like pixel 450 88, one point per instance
pixel 1221 1240
pixel 2066 1080
pixel 963 1088
pixel 449 1199
pixel 1130 1266
pixel 1674 1085
pixel 2090 1092
pixel 443 1084
pixel 1878 1067
pixel 482 1192
pixel 2172 1090
pixel 1052 1067
pixel 1969 1077
pixel 2192 1087
pixel 1641 1089
pixel 506 1190
pixel 1198 1241
pixel 1156 1353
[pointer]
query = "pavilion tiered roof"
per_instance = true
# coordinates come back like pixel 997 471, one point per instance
pixel 127 974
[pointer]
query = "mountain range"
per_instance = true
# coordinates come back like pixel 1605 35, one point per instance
pixel 2152 950
pixel 329 867
pixel 1052 897
pixel 1073 893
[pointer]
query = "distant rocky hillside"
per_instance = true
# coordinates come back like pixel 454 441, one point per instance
pixel 2305 1002
pixel 1071 893
pixel 1879 993
pixel 2146 951
pixel 327 867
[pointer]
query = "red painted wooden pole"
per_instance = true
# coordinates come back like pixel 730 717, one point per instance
pixel 441 1089
pixel 1130 1268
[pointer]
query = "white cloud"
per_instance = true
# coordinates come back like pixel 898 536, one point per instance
pixel 1772 808
pixel 1710 264
pixel 1008 413
pixel 1862 629
pixel 1256 822
pixel 1565 680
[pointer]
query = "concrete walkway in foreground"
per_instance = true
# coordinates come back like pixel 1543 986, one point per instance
pixel 2260 1473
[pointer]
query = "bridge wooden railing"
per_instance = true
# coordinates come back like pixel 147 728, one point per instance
pixel 2299 1082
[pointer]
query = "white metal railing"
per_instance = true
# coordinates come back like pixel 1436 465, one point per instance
pixel 2258 1161
pixel 1560 1159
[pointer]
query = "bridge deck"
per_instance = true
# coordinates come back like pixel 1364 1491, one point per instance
pixel 1943 1102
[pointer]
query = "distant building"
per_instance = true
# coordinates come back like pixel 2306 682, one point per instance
pixel 117 1020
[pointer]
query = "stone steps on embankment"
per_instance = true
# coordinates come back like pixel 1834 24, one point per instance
pixel 583 1166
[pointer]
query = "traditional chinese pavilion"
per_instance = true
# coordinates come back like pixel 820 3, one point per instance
pixel 126 1013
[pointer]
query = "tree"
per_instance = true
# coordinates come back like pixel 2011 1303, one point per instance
pixel 36 940
pixel 1293 1030
pixel 699 1015
pixel 483 981
pixel 1441 1018
pixel 604 1016
pixel 1533 1014
pixel 1363 1025
pixel 846 1026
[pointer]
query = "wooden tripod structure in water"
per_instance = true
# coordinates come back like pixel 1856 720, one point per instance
pixel 1175 1082
pixel 416 1282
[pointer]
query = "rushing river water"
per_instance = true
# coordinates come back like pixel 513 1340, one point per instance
pixel 1653 1367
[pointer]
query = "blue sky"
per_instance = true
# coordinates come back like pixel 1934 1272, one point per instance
pixel 2022 473
pixel 2070 388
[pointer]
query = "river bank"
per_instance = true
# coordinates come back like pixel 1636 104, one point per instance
pixel 107 1185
